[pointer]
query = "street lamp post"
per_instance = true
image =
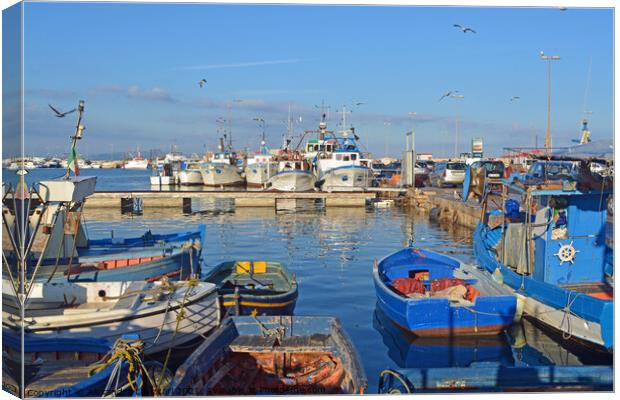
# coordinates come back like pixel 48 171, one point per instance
pixel 548 134
pixel 412 114
pixel 456 128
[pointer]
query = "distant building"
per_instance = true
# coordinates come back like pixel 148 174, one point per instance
pixel 424 156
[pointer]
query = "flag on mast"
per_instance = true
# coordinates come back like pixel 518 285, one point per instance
pixel 72 162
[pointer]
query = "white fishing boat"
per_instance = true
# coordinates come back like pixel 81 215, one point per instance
pixel 222 169
pixel 192 174
pixel 293 175
pixel 136 162
pixel 260 167
pixel 344 168
pixel 163 314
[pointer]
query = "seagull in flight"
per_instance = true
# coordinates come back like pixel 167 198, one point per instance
pixel 60 114
pixel 448 94
pixel 202 82
pixel 358 104
pixel 513 98
pixel 464 29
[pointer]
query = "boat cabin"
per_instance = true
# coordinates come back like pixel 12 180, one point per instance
pixel 293 165
pixel 566 231
pixel 223 158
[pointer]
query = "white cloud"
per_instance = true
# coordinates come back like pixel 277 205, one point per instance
pixel 243 64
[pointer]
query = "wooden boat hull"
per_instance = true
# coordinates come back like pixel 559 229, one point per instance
pixel 153 321
pixel 257 175
pixel 161 180
pixel 292 181
pixel 497 378
pixel 410 351
pixel 221 175
pixel 138 266
pixel 60 374
pixel 219 365
pixel 346 179
pixel 488 314
pixel 236 299
pixel 190 177
pixel 590 319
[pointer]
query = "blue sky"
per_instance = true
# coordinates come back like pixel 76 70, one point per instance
pixel 137 66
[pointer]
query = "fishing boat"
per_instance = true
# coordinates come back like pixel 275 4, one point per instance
pixel 85 367
pixel 344 168
pixel 260 168
pixel 167 172
pixel 493 377
pixel 148 264
pixel 547 245
pixel 293 174
pixel 192 174
pixel 163 314
pixel 272 355
pixel 222 169
pixel 430 294
pixel 410 351
pixel 60 234
pixel 136 162
pixel 254 287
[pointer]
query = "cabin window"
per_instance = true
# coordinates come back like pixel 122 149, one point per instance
pixel 329 147
pixel 353 157
pixel 346 157
pixel 338 157
pixel 559 224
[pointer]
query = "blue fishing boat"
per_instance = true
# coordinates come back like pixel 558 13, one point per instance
pixel 410 351
pixel 254 287
pixel 149 264
pixel 272 355
pixel 70 368
pixel 430 294
pixel 148 239
pixel 547 245
pixel 493 377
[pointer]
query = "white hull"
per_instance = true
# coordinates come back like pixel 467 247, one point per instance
pixel 136 164
pixel 221 175
pixel 346 179
pixel 155 322
pixel 161 180
pixel 563 320
pixel 259 174
pixel 190 177
pixel 292 181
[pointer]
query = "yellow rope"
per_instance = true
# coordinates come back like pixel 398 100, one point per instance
pixel 130 351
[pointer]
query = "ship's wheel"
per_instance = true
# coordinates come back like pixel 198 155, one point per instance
pixel 567 253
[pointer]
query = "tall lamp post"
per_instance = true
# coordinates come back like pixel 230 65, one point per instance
pixel 548 134
pixel 457 97
pixel 412 114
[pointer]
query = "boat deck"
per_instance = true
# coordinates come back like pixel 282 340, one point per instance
pixel 52 375
pixel 600 290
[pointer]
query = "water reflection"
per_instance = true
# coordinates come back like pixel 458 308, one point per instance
pixel 331 251
pixel 409 351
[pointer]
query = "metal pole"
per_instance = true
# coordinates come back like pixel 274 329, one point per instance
pixel 456 139
pixel 548 134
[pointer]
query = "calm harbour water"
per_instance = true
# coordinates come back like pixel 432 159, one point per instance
pixel 332 252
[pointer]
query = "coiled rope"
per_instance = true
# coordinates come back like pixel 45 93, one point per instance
pixel 403 380
pixel 125 350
